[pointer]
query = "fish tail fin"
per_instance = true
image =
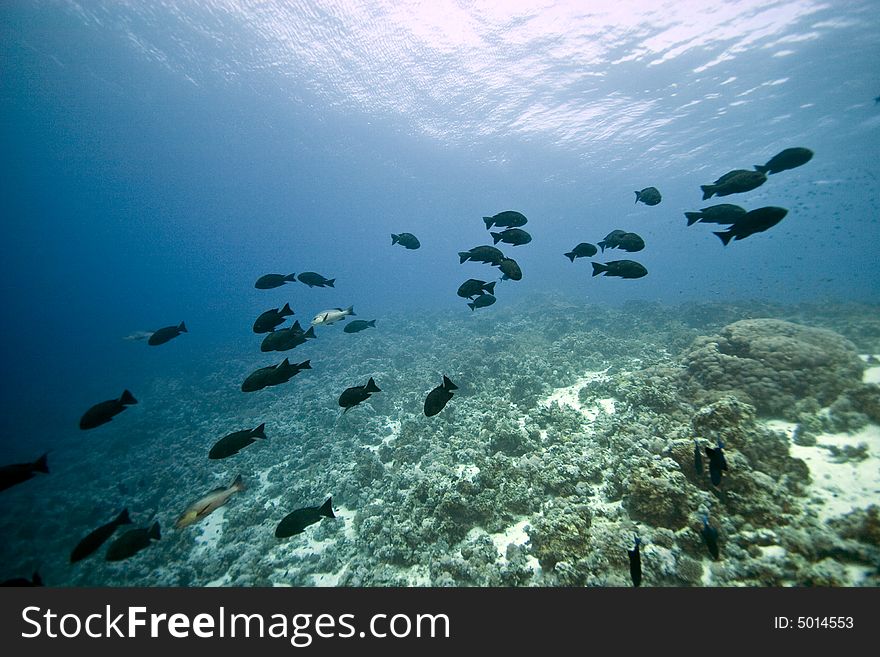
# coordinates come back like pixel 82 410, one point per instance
pixel 462 256
pixel 154 531
pixel 394 239
pixel 259 432
pixel 127 398
pixel 725 237
pixel 496 237
pixel 761 167
pixel 123 518
pixel 489 221
pixel 330 282
pixel 310 333
pixel 693 217
pixel 238 484
pixel 350 311
pixel 708 190
pixel 326 509
pixel 296 326
pixel 40 465
pixel 602 245
pixel 447 384
pixel 570 256
pixel 598 268
pixel 305 365
pixel 372 323
pixel 490 287
pixel 286 310
pixel 290 278
pixel 182 328
pixel 637 197
pixel 372 387
pixel 473 306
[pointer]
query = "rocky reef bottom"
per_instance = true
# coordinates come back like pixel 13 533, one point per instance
pixel 573 429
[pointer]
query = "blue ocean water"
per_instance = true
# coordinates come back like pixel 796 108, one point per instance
pixel 158 158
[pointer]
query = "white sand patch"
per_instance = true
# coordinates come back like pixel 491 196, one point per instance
pixel 568 396
pixel 856 573
pixel 346 515
pixel 872 373
pixel 772 551
pixel 223 580
pixel 211 531
pixel 515 534
pixel 467 471
pixel 781 426
pixel 838 488
pixel 393 431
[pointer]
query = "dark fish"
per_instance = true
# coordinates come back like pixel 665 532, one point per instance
pixel 582 250
pixel 635 562
pixel 285 339
pixel 611 240
pixel 514 236
pixel 96 538
pixel 438 397
pixel 506 219
pixel 734 182
pixel 482 301
pixel 273 375
pixel 15 473
pixel 630 242
pixel 165 334
pixel 648 196
pixel 351 397
pixel 790 158
pixel 756 221
pixel 487 254
pixel 268 320
pixel 268 281
pixel 35 580
pixel 698 459
pixel 406 240
pixel 473 287
pixel 295 522
pixel 285 371
pixel 710 537
pixel 724 213
pixel 103 412
pixel 620 268
pixel 357 325
pixel 717 463
pixel 132 542
pixel 510 269
pixel 312 279
pixel 236 441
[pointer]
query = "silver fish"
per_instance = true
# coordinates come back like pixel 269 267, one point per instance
pixel 208 504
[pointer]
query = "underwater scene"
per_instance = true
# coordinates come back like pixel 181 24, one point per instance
pixel 350 293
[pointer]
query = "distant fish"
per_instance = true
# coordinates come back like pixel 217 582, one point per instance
pixel 510 268
pixel 357 325
pixel 648 196
pixel 332 316
pixel 790 158
pixel 734 182
pixel 236 441
pixel 724 213
pixel 487 254
pixel 138 335
pixel 287 338
pixel 710 537
pixel 165 334
pixel 620 268
pixel 635 562
pixel 698 459
pixel 473 287
pixel 16 473
pixel 582 250
pixel 353 396
pixel 296 521
pixel 132 542
pixel 205 505
pixel 104 411
pixel 406 240
pixel 267 321
pixel 97 537
pixel 312 279
pixel 514 236
pixel 482 301
pixel 717 463
pixel 756 221
pixel 506 219
pixel 268 281
pixel 629 242
pixel 35 580
pixel 438 397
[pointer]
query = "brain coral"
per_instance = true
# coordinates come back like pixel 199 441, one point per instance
pixel 774 363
